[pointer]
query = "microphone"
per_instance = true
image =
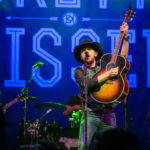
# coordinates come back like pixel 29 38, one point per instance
pixel 38 64
pixel 86 54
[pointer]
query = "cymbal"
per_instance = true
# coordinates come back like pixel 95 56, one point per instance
pixel 44 106
pixel 32 98
pixel 28 97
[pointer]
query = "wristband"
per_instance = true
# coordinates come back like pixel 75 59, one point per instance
pixel 126 38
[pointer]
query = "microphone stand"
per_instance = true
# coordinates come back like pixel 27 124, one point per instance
pixel 85 107
pixel 25 90
pixel 126 113
pixel 37 128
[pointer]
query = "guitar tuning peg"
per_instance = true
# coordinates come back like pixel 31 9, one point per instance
pixel 131 20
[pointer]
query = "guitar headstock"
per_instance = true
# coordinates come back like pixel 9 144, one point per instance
pixel 129 14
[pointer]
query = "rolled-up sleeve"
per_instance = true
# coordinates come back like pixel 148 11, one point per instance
pixel 80 79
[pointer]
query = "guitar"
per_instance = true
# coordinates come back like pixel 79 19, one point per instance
pixel 115 89
pixel 20 97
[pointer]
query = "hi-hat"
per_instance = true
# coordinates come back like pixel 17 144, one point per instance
pixel 44 106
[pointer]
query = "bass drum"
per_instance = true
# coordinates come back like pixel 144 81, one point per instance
pixel 50 132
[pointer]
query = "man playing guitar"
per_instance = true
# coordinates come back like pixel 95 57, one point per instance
pixel 99 116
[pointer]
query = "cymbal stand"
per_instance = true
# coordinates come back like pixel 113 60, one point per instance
pixel 37 126
pixel 48 111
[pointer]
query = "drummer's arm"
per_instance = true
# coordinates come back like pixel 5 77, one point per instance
pixel 68 110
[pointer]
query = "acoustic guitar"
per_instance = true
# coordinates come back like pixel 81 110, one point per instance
pixel 115 89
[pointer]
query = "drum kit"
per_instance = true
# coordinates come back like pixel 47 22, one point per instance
pixel 35 134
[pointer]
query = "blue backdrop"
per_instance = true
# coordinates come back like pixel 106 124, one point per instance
pixel 47 31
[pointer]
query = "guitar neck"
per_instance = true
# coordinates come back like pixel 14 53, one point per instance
pixel 117 47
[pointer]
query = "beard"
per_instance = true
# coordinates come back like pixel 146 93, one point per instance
pixel 90 60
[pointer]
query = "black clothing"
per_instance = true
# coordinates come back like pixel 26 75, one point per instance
pixel 92 84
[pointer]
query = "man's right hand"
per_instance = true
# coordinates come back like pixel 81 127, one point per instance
pixel 113 72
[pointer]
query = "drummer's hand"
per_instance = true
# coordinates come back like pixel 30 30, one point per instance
pixel 68 107
pixel 68 110
pixel 77 107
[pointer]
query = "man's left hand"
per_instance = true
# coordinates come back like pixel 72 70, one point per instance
pixel 124 29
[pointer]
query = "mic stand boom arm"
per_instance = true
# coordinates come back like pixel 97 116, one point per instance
pixel 37 66
pixel 25 89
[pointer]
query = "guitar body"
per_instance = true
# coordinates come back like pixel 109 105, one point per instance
pixel 115 89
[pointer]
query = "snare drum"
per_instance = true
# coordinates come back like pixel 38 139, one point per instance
pixel 32 131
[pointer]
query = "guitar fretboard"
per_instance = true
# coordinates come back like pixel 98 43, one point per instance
pixel 116 50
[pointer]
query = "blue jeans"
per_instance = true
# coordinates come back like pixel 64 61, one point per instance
pixel 100 122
